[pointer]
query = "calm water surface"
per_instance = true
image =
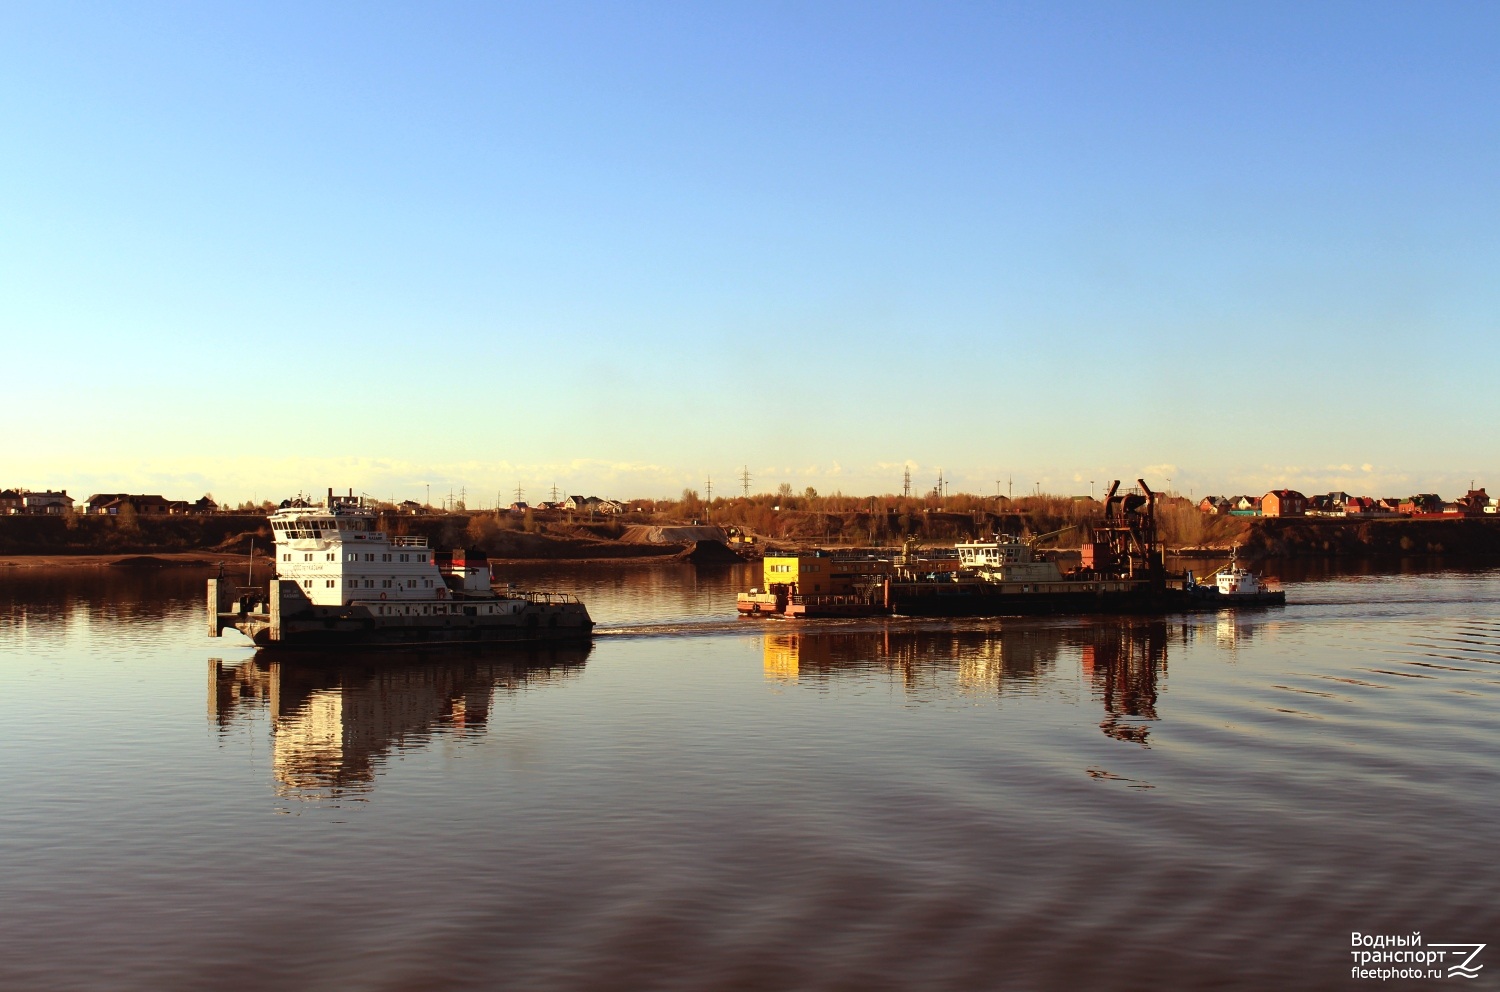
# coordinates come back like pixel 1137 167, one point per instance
pixel 703 803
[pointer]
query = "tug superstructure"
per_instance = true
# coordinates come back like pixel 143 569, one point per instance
pixel 341 580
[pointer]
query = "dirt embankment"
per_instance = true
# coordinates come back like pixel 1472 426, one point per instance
pixel 174 540
pixel 78 535
pixel 1271 537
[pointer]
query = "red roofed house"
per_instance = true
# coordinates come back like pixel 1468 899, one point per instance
pixel 1474 502
pixel 1283 503
pixel 1360 506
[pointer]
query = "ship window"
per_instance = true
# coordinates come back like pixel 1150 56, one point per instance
pixel 406 557
pixel 411 583
pixel 307 557
pixel 353 583
pixel 369 557
pixel 330 557
pixel 307 583
pixel 369 583
pixel 385 557
pixel 385 583
pixel 352 557
pixel 427 583
pixel 286 557
pixel 423 559
pixel 329 583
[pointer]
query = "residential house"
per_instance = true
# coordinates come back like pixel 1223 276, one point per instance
pixel 47 502
pixel 1215 504
pixel 96 503
pixel 1328 504
pixel 205 505
pixel 1244 506
pixel 1361 506
pixel 1474 503
pixel 1422 504
pixel 1283 503
pixel 145 504
pixel 519 507
pixel 11 502
pixel 411 508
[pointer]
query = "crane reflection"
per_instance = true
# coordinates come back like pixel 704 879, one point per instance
pixel 1120 662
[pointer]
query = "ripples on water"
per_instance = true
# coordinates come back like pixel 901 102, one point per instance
pixel 1211 801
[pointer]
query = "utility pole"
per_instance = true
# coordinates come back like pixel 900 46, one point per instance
pixel 429 496
pixel 745 481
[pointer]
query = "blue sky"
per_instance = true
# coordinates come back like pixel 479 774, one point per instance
pixel 625 247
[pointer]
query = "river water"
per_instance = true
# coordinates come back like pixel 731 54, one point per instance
pixel 697 802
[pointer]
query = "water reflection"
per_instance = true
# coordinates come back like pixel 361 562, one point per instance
pixel 1125 666
pixel 1122 664
pixel 333 724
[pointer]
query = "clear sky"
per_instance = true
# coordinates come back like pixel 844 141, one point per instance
pixel 623 247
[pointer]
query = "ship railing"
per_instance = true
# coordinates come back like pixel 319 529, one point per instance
pixel 829 599
pixel 409 542
pixel 546 598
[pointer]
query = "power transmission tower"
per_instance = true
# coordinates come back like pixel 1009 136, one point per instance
pixel 554 492
pixel 745 481
pixel 709 488
pixel 906 483
pixel 520 493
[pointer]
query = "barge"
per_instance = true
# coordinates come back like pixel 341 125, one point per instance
pixel 341 581
pixel 1122 570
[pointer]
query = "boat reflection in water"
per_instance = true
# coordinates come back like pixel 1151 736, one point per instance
pixel 1121 663
pixel 333 719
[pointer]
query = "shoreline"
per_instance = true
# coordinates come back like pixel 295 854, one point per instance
pixel 209 560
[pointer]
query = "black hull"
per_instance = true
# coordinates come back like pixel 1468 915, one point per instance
pixel 1208 598
pixel 977 602
pixel 408 637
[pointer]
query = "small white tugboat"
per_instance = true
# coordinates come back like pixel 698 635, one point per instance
pixel 1238 586
pixel 340 581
